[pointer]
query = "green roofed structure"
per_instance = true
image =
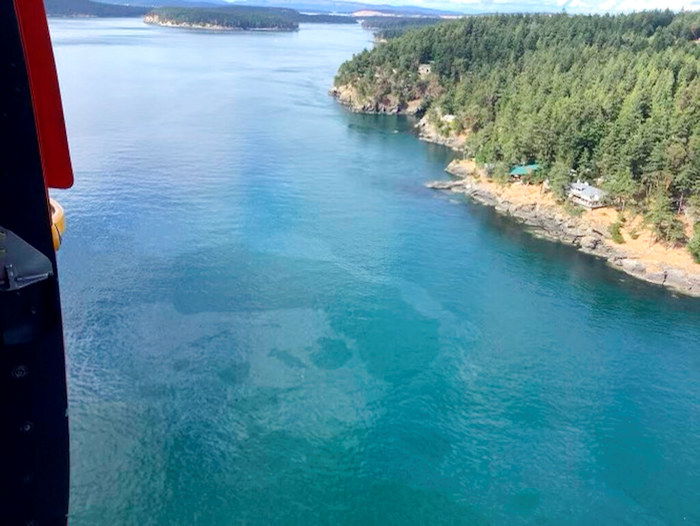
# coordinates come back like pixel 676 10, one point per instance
pixel 524 169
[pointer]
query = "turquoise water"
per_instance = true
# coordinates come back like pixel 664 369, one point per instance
pixel 270 320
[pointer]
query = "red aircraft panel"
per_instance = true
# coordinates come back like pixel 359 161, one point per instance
pixel 46 96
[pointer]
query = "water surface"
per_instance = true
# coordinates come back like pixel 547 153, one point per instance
pixel 270 320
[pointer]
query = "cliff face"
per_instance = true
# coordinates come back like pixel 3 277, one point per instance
pixel 389 104
pixel 544 217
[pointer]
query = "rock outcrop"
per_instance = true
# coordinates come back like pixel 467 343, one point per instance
pixel 429 132
pixel 389 104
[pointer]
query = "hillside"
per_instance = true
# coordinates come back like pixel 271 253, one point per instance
pixel 88 8
pixel 609 99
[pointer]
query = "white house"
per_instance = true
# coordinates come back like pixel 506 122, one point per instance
pixel 586 195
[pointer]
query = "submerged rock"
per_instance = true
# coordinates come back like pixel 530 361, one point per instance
pixel 443 185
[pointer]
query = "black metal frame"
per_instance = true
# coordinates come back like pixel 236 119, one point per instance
pixel 34 463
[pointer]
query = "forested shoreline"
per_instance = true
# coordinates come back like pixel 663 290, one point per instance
pixel 614 100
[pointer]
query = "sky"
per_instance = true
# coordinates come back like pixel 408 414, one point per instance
pixel 520 6
pixel 576 6
pixel 570 6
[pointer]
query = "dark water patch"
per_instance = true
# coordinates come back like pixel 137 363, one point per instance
pixel 333 353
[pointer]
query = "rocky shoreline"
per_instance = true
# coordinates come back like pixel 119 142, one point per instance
pixel 543 219
pixel 550 221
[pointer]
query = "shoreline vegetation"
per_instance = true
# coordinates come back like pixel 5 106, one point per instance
pixel 238 18
pixel 610 100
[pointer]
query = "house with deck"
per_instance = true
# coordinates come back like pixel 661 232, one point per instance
pixel 586 195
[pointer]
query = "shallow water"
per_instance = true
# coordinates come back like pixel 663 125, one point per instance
pixel 270 320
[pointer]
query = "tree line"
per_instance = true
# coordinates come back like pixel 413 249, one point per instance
pixel 385 27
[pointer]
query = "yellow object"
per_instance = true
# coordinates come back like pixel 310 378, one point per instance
pixel 58 222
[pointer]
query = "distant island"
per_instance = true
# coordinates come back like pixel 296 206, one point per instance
pixel 225 18
pixel 544 101
pixel 248 18
pixel 88 8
